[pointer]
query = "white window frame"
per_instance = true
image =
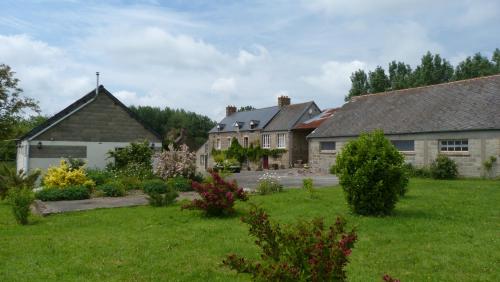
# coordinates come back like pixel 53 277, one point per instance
pixel 281 140
pixel 328 151
pixel 453 145
pixel 266 141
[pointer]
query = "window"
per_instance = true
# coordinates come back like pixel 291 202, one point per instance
pixel 245 142
pixel 460 145
pixel 281 140
pixel 229 141
pixel 217 144
pixel 202 159
pixel 266 141
pixel 327 146
pixel 404 145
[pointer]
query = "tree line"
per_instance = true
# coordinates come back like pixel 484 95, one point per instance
pixel 432 70
pixel 173 123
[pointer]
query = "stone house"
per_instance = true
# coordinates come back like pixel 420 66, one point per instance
pixel 87 129
pixel 270 128
pixel 459 119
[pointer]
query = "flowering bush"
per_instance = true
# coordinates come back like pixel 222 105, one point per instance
pixel 307 251
pixel 63 176
pixel 217 196
pixel 269 183
pixel 174 163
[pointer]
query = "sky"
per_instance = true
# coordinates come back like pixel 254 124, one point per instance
pixel 204 55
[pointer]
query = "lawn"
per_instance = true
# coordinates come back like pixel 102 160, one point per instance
pixel 442 231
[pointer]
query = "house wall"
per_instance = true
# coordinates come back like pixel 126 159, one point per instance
pixel 482 145
pixel 300 146
pixel 100 121
pixel 254 137
pixel 203 152
pixel 51 153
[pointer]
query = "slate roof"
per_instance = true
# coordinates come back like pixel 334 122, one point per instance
pixel 288 117
pixel 261 116
pixel 317 120
pixel 465 105
pixel 80 102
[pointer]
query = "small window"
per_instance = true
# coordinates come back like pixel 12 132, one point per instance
pixel 459 145
pixel 245 142
pixel 281 140
pixel 217 144
pixel 327 146
pixel 266 141
pixel 202 159
pixel 229 141
pixel 404 145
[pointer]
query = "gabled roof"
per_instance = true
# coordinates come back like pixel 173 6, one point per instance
pixel 317 120
pixel 76 106
pixel 260 116
pixel 288 116
pixel 472 104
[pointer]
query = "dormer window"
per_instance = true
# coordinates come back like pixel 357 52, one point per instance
pixel 220 126
pixel 254 124
pixel 238 124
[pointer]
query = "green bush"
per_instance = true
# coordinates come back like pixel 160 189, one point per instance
pixel 372 174
pixel 131 183
pixel 443 168
pixel 11 179
pixel 20 201
pixel 63 194
pixel 155 186
pixel 423 172
pixel 112 189
pixel 307 184
pixel 100 176
pixel 159 193
pixel 180 184
pixel 135 153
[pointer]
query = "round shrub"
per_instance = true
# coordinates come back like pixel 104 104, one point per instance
pixel 69 193
pixel 159 192
pixel 372 174
pixel 155 186
pixel 444 168
pixel 112 189
pixel 99 176
pixel 180 184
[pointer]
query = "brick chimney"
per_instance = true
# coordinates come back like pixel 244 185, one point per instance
pixel 230 110
pixel 283 101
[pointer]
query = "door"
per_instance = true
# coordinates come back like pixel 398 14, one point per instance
pixel 265 162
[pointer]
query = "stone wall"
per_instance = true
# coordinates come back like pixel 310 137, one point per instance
pixel 482 145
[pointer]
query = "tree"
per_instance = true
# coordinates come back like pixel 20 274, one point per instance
pixel 378 80
pixel 475 66
pixel 246 108
pixel 359 84
pixel 19 128
pixel 432 70
pixel 496 58
pixel 400 75
pixel 13 105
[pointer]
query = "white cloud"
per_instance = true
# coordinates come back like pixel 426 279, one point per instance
pixel 224 85
pixel 335 78
pixel 246 57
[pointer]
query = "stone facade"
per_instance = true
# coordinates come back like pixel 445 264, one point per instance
pixel 481 145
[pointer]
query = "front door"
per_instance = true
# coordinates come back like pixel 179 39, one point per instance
pixel 265 162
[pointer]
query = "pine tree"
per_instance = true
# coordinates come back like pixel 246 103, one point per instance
pixel 400 75
pixel 359 84
pixel 432 70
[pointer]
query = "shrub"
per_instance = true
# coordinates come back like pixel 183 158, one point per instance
pixel 135 153
pixel 63 194
pixel 100 176
pixel 269 183
pixel 372 174
pixel 443 168
pixel 160 193
pixel 63 176
pixel 412 171
pixel 75 163
pixel 488 166
pixel 174 163
pixel 155 186
pixel 20 201
pixel 307 184
pixel 217 196
pixel 112 189
pixel 11 179
pixel 306 251
pixel 388 278
pixel 333 169
pixel 140 171
pixel 131 183
pixel 180 184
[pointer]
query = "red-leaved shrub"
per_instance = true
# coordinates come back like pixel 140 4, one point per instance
pixel 217 196
pixel 388 278
pixel 306 251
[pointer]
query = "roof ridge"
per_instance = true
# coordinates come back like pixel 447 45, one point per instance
pixel 425 86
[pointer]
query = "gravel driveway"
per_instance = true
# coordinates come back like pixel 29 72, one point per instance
pixel 290 178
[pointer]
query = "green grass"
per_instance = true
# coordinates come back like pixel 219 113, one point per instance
pixel 442 231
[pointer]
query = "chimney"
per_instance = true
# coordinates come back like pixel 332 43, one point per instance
pixel 283 101
pixel 230 110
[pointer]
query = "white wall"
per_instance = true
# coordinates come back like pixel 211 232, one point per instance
pixel 96 153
